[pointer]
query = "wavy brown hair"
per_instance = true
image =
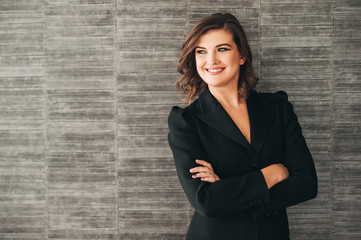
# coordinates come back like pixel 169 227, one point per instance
pixel 190 82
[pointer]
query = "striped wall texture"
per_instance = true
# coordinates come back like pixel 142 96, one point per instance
pixel 86 87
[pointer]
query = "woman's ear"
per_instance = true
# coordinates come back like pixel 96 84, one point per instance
pixel 242 60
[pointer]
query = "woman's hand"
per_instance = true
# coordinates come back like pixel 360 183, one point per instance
pixel 205 173
pixel 274 174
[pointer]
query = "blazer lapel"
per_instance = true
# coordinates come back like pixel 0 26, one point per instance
pixel 214 115
pixel 260 115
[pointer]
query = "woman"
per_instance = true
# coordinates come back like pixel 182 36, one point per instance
pixel 240 155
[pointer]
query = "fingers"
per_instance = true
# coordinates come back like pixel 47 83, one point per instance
pixel 200 169
pixel 206 167
pixel 205 173
pixel 202 175
pixel 204 163
pixel 210 179
pixel 207 177
pixel 201 172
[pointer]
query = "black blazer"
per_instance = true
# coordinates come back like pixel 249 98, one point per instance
pixel 240 206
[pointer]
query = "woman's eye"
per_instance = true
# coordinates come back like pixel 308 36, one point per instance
pixel 201 51
pixel 222 49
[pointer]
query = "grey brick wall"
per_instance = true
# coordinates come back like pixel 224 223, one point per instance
pixel 86 87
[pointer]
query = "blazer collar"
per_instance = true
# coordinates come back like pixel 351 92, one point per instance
pixel 260 116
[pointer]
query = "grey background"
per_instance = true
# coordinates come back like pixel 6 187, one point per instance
pixel 86 87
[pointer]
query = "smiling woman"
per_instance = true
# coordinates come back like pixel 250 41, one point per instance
pixel 240 155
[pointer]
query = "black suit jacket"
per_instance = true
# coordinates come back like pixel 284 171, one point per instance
pixel 240 206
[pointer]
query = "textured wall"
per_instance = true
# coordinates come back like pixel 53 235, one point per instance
pixel 86 87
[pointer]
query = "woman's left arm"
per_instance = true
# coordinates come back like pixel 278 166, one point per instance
pixel 302 182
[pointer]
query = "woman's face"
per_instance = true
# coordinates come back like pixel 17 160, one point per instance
pixel 218 59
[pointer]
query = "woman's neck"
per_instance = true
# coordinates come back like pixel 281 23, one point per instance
pixel 227 97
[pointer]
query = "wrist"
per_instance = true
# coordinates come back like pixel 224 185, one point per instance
pixel 274 174
pixel 267 177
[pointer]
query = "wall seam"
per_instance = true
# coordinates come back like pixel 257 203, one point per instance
pixel 115 85
pixel 332 148
pixel 46 150
pixel 259 45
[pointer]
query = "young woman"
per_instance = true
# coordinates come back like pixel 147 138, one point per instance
pixel 240 155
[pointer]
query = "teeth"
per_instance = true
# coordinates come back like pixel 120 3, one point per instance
pixel 215 70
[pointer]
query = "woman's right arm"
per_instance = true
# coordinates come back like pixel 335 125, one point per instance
pixel 223 197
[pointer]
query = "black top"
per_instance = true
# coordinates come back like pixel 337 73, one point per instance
pixel 240 206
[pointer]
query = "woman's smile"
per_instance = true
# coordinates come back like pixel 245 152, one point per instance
pixel 214 71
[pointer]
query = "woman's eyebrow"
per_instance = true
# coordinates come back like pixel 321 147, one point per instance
pixel 229 45
pixel 222 44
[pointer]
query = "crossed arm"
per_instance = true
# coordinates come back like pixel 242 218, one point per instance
pixel 273 174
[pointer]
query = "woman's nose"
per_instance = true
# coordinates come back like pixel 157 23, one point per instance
pixel 212 58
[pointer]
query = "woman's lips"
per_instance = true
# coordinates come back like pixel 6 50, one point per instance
pixel 214 70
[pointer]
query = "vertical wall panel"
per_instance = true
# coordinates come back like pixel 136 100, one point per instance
pixel 296 56
pixel 151 202
pixel 81 126
pixel 22 121
pixel 346 204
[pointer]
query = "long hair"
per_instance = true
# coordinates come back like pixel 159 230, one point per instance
pixel 190 82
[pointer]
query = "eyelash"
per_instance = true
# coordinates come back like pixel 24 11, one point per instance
pixel 201 51
pixel 223 49
pixel 219 50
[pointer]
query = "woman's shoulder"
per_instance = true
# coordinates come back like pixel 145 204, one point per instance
pixel 183 117
pixel 180 116
pixel 178 111
pixel 278 95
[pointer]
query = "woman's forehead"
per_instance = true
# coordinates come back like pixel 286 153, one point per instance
pixel 215 37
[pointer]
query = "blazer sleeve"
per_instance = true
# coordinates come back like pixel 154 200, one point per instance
pixel 223 197
pixel 302 183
